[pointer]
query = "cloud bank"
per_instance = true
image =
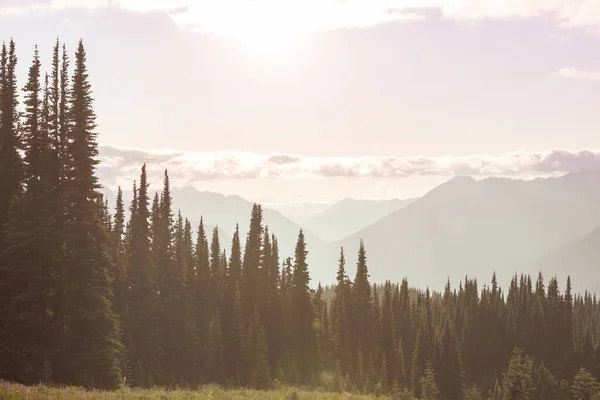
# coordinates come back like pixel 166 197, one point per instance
pixel 119 165
pixel 573 73
pixel 226 16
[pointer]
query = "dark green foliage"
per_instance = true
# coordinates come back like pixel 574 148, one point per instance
pixel 585 386
pixel 303 318
pixel 450 369
pixel 429 388
pixel 27 243
pixel 92 330
pixel 141 328
pixel 212 355
pixel 517 383
pixel 260 375
pixel 362 310
pixel 251 265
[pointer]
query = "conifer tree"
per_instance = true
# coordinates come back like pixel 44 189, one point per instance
pixel 260 375
pixel 202 298
pixel 215 271
pixel 232 318
pixel 93 343
pixel 362 313
pixel 142 298
pixel 11 176
pixel 341 309
pixel 173 302
pixel 429 388
pixel 517 382
pixel 274 324
pixel 27 241
pixel 11 168
pixel 450 369
pixel 388 337
pixel 304 336
pixel 213 365
pixel 585 386
pixel 118 274
pixel 252 252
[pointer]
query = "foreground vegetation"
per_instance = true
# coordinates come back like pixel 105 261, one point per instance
pixel 10 391
pixel 91 298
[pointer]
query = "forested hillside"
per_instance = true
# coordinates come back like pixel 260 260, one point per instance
pixel 89 297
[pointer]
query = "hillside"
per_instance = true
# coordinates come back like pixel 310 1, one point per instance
pixel 351 215
pixel 469 227
pixel 580 256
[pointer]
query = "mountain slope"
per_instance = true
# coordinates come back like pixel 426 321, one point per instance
pixel 350 215
pixel 468 227
pixel 581 257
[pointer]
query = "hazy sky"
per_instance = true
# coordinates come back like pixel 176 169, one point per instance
pixel 282 100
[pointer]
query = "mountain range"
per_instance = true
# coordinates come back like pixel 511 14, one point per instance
pixel 351 215
pixel 475 227
pixel 459 228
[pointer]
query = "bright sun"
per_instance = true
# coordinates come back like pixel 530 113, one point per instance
pixel 268 42
pixel 266 29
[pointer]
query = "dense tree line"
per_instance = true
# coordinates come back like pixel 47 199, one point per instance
pixel 91 297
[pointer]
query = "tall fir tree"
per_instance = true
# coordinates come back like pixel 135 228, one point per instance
pixel 142 296
pixel 28 247
pixel 251 262
pixel 362 312
pixel 92 334
pixel 303 318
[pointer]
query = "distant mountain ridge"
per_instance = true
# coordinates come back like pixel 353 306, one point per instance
pixel 461 227
pixel 581 255
pixel 351 215
pixel 469 227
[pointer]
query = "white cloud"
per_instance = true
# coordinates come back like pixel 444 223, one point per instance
pixel 122 165
pixel 222 16
pixel 572 73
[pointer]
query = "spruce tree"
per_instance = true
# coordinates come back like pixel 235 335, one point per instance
pixel 257 362
pixel 28 247
pixel 232 317
pixel 93 347
pixel 118 274
pixel 213 365
pixel 429 388
pixel 11 165
pixel 450 369
pixel 202 277
pixel 142 297
pixel 252 252
pixel 302 319
pixel 216 272
pixel 341 312
pixel 362 313
pixel 517 382
pixel 388 337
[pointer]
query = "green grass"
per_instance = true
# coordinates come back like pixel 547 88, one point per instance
pixel 16 391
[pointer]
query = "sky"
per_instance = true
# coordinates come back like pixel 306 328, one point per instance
pixel 287 101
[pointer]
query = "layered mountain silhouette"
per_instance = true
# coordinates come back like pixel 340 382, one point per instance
pixel 464 227
pixel 469 227
pixel 350 216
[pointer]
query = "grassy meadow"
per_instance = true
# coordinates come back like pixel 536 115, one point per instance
pixel 20 392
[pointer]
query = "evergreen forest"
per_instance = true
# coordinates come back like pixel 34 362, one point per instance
pixel 135 296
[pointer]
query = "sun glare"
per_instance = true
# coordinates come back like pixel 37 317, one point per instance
pixel 267 42
pixel 263 29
